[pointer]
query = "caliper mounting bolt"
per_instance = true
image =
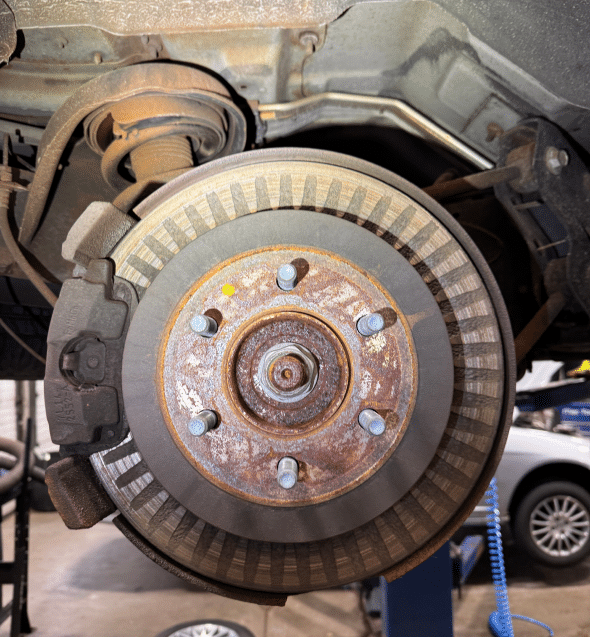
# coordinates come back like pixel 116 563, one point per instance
pixel 370 324
pixel 204 325
pixel 286 277
pixel 556 159
pixel 372 422
pixel 203 422
pixel 288 472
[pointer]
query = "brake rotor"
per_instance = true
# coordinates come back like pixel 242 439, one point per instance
pixel 287 374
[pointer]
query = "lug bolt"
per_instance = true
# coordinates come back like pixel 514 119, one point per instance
pixel 287 277
pixel 370 324
pixel 204 325
pixel 203 422
pixel 288 473
pixel 372 422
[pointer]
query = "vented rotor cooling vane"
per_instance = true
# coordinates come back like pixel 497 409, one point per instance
pixel 314 377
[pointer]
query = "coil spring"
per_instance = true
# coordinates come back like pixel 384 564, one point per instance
pixel 500 620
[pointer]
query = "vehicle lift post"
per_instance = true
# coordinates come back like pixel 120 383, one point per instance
pixel 420 602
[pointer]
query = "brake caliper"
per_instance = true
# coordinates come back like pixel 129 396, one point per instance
pixel 84 352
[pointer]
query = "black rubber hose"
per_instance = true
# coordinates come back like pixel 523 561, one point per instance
pixel 37 473
pixel 17 450
pixel 6 231
pixel 15 464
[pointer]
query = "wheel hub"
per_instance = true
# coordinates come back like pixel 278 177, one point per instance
pixel 289 370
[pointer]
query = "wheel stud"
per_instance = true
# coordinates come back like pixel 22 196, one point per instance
pixel 288 472
pixel 372 422
pixel 286 277
pixel 204 325
pixel 370 324
pixel 203 422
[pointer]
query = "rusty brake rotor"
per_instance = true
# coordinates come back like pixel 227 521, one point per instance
pixel 292 433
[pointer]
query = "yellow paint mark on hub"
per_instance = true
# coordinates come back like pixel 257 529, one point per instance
pixel 228 290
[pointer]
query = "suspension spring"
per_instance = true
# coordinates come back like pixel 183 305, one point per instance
pixel 147 140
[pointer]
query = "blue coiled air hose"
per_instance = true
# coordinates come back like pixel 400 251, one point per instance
pixel 500 621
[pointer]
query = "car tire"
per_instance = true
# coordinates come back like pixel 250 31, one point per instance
pixel 552 523
pixel 206 628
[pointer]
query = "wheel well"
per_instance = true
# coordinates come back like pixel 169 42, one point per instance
pixel 548 473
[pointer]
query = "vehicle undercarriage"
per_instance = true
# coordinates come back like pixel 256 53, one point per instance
pixel 284 261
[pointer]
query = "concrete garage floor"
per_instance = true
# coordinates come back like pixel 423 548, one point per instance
pixel 96 584
pixel 558 597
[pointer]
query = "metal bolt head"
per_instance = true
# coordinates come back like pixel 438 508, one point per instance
pixel 287 473
pixel 204 325
pixel 308 38
pixel 370 324
pixel 555 160
pixel 286 277
pixel 372 422
pixel 203 422
pixel 277 359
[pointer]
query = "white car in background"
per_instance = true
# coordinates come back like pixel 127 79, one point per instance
pixel 544 493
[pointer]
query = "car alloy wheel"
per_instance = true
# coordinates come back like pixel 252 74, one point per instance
pixel 553 523
pixel 206 628
pixel 560 525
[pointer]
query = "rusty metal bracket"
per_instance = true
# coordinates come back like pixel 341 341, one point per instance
pixel 549 203
pixel 538 325
pixel 478 181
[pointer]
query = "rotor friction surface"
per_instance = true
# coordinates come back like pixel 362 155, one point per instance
pixel 417 523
